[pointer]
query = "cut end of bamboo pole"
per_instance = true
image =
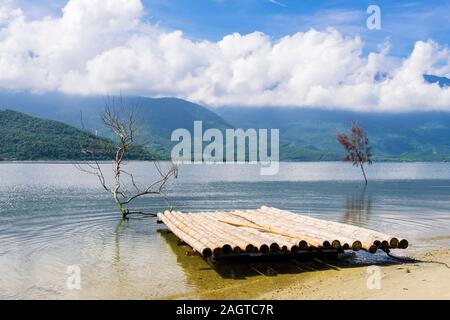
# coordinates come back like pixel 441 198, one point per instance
pixel 403 244
pixel 393 243
pixel 237 250
pixel 227 249
pixel 357 245
pixel 336 244
pixel 274 247
pixel 264 249
pixel 326 244
pixel 373 249
pixel 303 245
pixel 207 252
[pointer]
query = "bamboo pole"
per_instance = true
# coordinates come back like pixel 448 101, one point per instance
pixel 223 243
pixel 228 243
pixel 187 229
pixel 336 244
pixel 309 229
pixel 257 241
pixel 290 244
pixel 198 246
pixel 330 232
pixel 370 234
pixel 253 242
pixel 266 240
pixel 215 246
pixel 277 230
pixel 217 228
pixel 290 230
pixel 367 237
pixel 338 239
pixel 230 231
pixel 319 230
pixel 263 247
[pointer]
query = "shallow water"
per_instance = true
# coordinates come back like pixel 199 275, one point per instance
pixel 52 216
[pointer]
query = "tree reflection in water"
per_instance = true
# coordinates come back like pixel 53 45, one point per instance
pixel 358 209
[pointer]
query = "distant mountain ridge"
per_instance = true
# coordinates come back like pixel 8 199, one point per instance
pixel 305 134
pixel 310 134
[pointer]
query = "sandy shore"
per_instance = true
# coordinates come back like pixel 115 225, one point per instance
pixel 422 280
pixel 418 280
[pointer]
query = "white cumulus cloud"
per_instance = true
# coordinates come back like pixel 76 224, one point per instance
pixel 106 47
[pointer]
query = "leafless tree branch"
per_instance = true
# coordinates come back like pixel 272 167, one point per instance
pixel 123 124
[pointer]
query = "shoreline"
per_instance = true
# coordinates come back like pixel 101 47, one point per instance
pixel 410 281
pixel 398 280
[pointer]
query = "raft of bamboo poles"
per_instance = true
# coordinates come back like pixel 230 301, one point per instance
pixel 270 230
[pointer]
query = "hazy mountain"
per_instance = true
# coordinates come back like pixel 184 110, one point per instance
pixel 306 134
pixel 310 134
pixel 23 137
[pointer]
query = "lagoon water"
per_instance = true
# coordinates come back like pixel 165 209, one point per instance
pixel 53 217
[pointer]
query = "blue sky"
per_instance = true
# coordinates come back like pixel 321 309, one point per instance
pixel 403 22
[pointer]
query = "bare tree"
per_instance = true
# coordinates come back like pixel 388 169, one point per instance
pixel 124 187
pixel 357 147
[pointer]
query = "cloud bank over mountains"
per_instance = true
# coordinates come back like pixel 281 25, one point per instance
pixel 107 46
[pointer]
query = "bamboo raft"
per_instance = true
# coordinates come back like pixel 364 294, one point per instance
pixel 270 230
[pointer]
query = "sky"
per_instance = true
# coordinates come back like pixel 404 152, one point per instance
pixel 305 53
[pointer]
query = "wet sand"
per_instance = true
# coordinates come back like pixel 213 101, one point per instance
pixel 423 280
pixel 343 279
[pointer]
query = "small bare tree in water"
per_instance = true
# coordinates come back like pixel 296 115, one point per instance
pixel 124 187
pixel 357 147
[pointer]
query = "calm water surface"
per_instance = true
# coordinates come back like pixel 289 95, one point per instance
pixel 52 216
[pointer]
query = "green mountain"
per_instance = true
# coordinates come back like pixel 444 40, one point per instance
pixel 157 118
pixel 23 137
